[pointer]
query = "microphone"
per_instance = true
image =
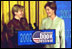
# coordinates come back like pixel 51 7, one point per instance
pixel 36 27
pixel 30 26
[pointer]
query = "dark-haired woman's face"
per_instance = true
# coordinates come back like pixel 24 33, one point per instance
pixel 49 11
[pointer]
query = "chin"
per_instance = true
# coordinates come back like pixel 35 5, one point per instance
pixel 49 15
pixel 21 16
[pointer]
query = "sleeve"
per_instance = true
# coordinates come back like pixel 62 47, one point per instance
pixel 10 30
pixel 10 33
pixel 27 27
pixel 42 25
pixel 62 34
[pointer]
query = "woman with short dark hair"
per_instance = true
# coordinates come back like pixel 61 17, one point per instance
pixel 54 22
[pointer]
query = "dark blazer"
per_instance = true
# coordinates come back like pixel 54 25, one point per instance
pixel 12 27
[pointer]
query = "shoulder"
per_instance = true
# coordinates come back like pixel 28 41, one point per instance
pixel 24 19
pixel 10 23
pixel 60 19
pixel 44 20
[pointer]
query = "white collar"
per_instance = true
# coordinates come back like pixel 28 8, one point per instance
pixel 54 18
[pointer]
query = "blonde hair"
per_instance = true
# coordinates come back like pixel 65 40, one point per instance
pixel 16 8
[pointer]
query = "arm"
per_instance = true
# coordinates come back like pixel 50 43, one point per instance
pixel 42 25
pixel 10 30
pixel 27 27
pixel 10 35
pixel 62 34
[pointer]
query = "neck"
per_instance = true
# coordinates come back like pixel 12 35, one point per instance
pixel 53 16
pixel 17 18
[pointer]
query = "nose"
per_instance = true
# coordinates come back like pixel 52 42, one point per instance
pixel 47 11
pixel 22 12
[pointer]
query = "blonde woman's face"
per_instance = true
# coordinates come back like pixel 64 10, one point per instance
pixel 49 11
pixel 20 13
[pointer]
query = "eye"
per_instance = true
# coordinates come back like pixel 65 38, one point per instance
pixel 47 9
pixel 20 10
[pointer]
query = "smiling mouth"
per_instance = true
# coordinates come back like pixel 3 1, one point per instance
pixel 21 14
pixel 48 13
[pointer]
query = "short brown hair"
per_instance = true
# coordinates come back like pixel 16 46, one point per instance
pixel 15 8
pixel 52 5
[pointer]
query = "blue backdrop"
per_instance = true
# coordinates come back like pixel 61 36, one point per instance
pixel 64 12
